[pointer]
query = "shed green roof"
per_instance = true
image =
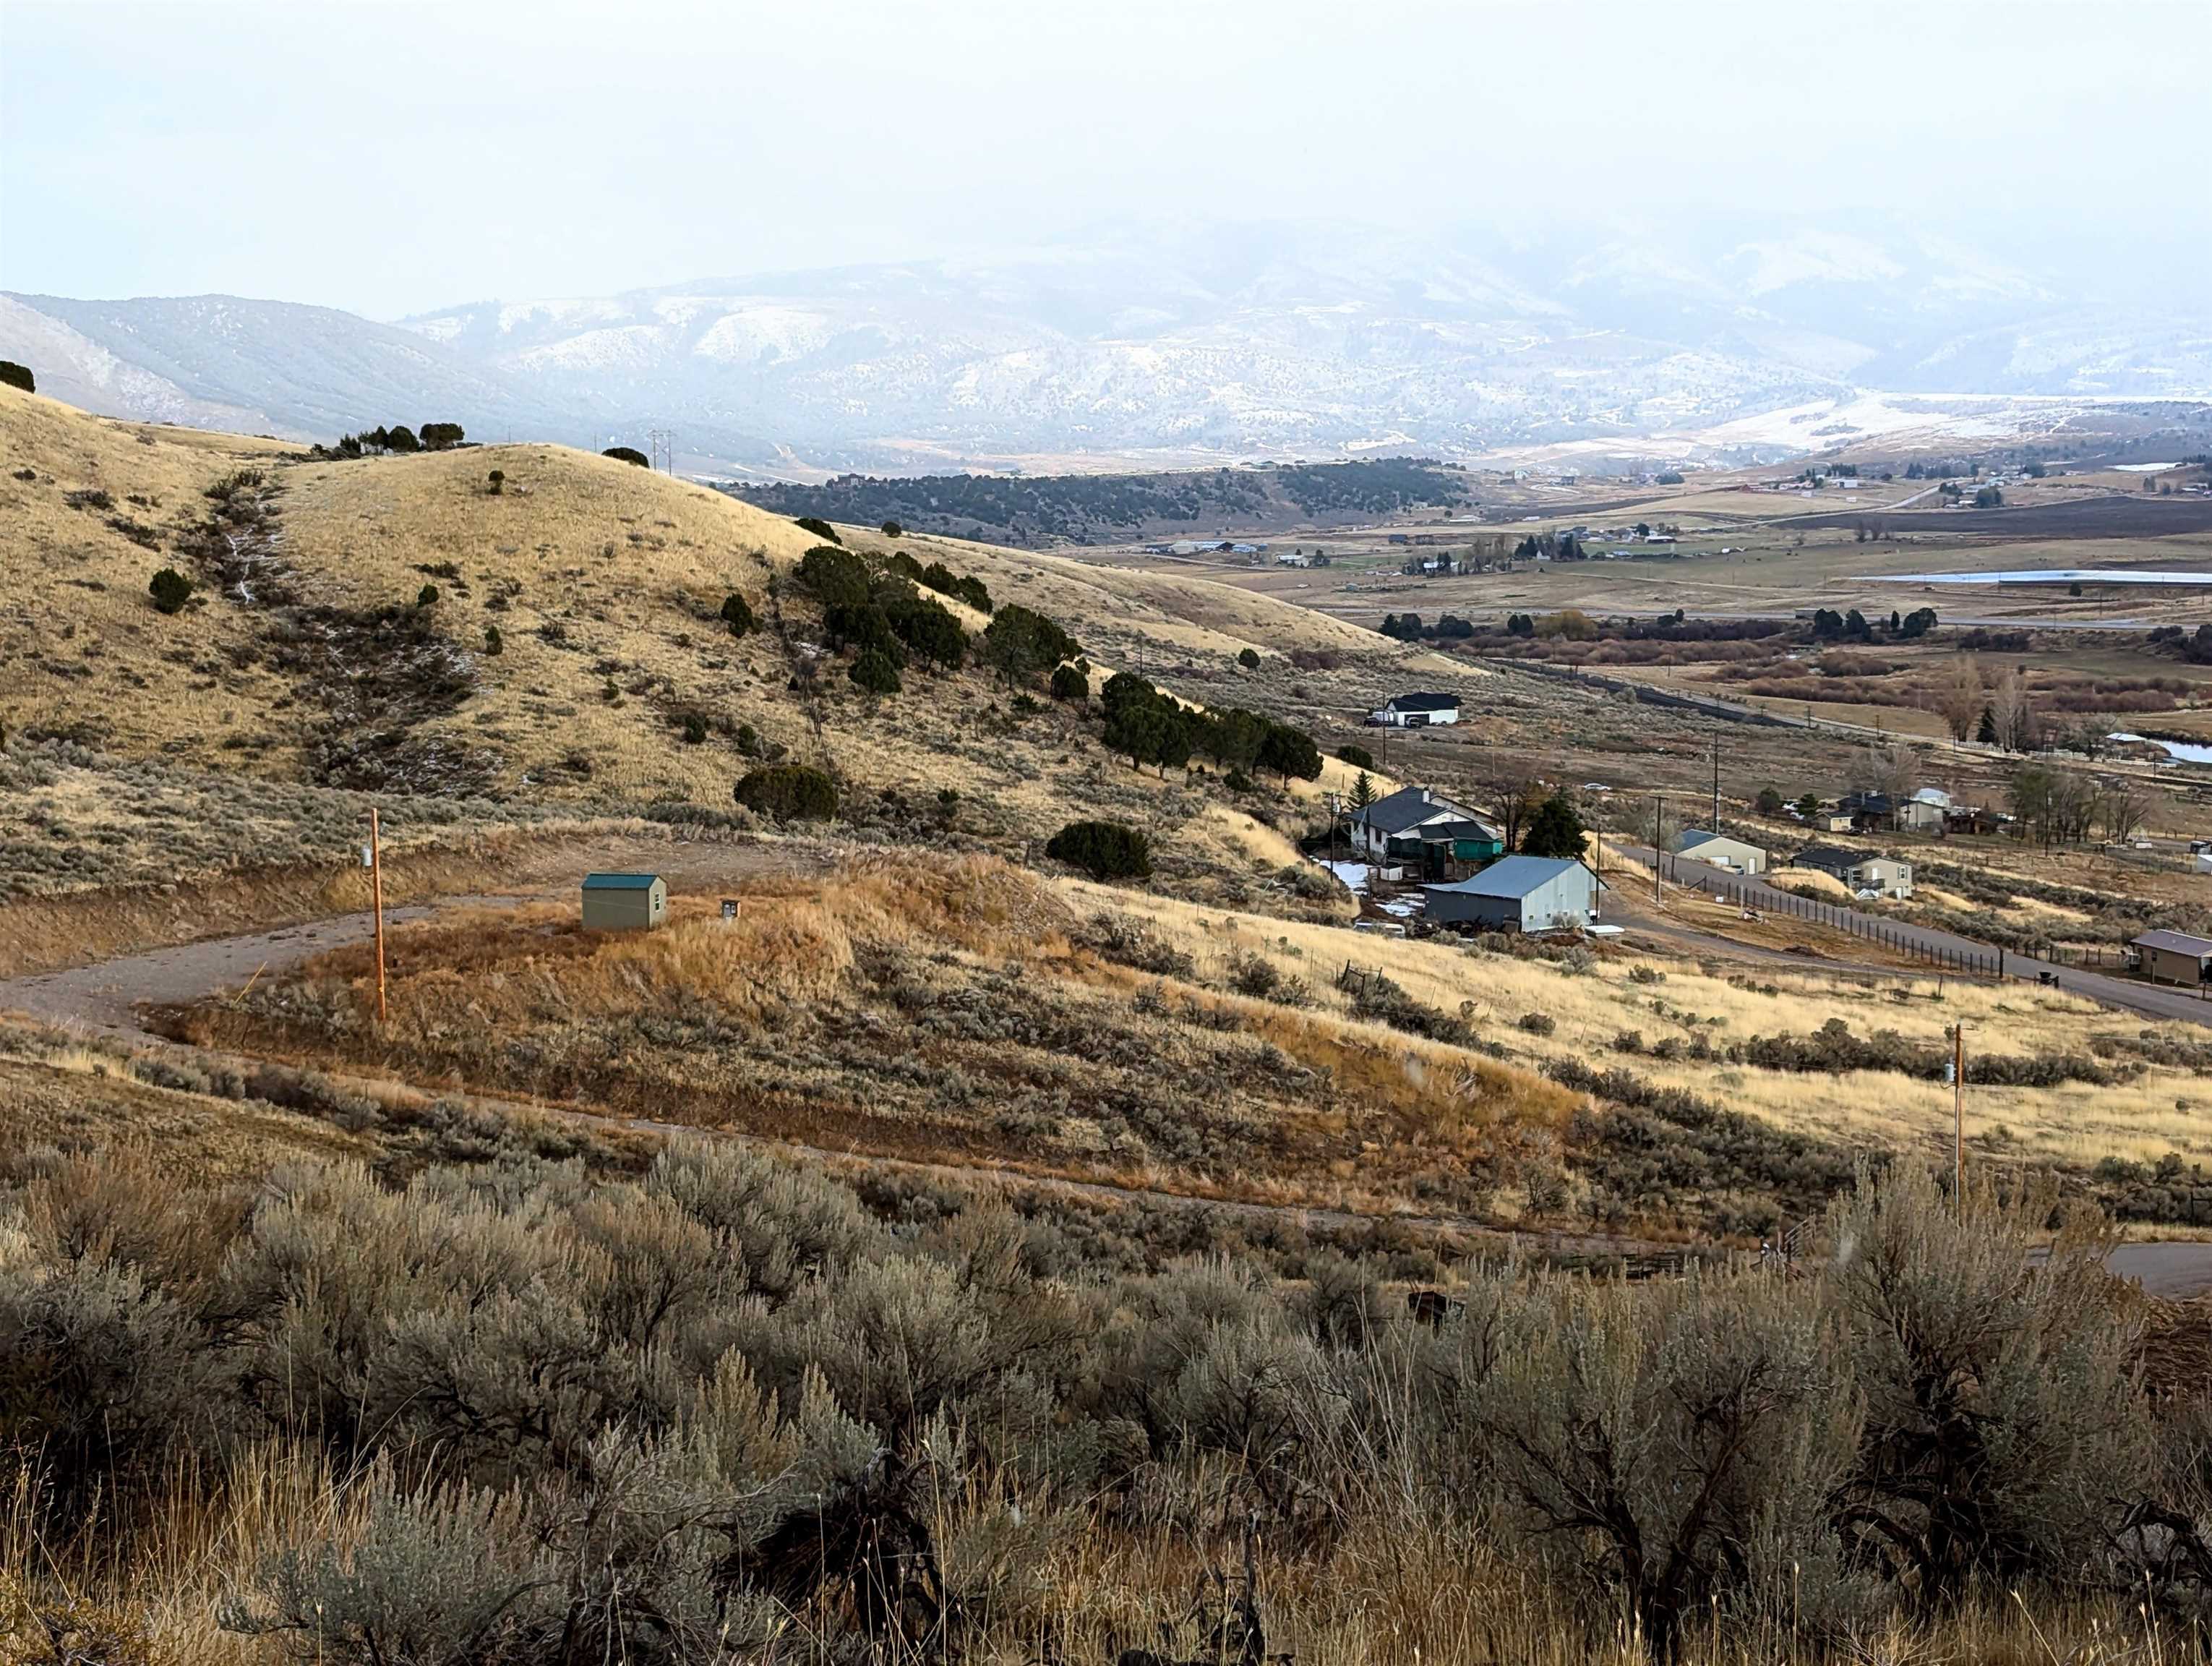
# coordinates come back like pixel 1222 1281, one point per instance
pixel 621 881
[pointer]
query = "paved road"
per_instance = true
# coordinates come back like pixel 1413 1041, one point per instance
pixel 2172 1270
pixel 2148 1000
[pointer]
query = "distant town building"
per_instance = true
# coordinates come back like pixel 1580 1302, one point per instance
pixel 1416 711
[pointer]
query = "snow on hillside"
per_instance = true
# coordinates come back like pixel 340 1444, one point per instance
pixel 1240 341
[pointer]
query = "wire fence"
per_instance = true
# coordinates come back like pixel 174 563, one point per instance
pixel 1915 945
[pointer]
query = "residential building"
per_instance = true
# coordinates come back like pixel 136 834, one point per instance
pixel 1517 893
pixel 1718 850
pixel 1883 876
pixel 1407 811
pixel 1434 848
pixel 1416 711
pixel 1869 811
pixel 2172 957
pixel 1927 811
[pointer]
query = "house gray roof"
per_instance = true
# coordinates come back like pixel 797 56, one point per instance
pixel 1694 836
pixel 2174 943
pixel 621 881
pixel 1407 807
pixel 1828 858
pixel 1470 827
pixel 1424 702
pixel 1511 876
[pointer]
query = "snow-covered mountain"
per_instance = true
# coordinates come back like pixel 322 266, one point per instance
pixel 1231 341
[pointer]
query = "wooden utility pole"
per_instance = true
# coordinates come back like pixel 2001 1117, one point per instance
pixel 1658 808
pixel 1715 825
pixel 376 892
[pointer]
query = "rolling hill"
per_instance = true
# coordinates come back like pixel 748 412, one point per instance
pixel 393 624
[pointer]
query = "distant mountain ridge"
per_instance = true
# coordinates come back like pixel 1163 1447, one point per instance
pixel 1225 343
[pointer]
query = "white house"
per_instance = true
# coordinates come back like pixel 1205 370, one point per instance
pixel 1416 711
pixel 1925 811
pixel 1402 812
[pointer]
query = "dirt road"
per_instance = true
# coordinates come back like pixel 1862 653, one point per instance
pixel 106 995
pixel 106 998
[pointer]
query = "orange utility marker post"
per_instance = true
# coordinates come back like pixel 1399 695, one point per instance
pixel 376 889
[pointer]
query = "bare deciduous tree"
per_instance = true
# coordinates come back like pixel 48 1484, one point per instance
pixel 1891 767
pixel 2012 712
pixel 1959 697
pixel 2121 807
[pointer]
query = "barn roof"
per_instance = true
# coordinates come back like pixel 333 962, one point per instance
pixel 621 881
pixel 2174 943
pixel 1511 876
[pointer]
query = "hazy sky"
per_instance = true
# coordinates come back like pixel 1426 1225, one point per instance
pixel 389 157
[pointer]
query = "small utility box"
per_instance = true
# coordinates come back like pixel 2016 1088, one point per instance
pixel 623 902
pixel 729 907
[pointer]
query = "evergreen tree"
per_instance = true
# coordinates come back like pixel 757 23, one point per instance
pixel 1556 829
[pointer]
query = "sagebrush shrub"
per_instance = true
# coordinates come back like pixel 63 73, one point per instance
pixel 1104 850
pixel 788 792
pixel 170 590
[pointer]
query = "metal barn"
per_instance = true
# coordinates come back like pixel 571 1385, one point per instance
pixel 1517 893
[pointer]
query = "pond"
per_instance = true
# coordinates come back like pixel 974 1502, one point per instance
pixel 2181 751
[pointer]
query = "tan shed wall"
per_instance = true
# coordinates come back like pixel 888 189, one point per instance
pixel 623 910
pixel 2165 966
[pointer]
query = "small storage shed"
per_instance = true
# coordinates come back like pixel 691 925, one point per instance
pixel 2166 957
pixel 623 902
pixel 1517 893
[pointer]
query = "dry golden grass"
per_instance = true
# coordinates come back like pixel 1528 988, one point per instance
pixel 604 581
pixel 1161 615
pixel 1809 882
pixel 73 1098
pixel 930 1011
pixel 2164 1109
pixel 93 651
